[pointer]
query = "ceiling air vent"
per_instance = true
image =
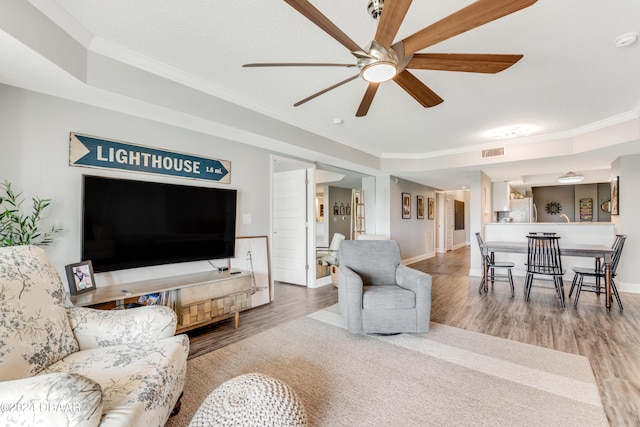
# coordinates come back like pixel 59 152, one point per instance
pixel 493 152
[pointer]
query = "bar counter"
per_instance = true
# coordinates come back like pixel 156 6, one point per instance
pixel 589 233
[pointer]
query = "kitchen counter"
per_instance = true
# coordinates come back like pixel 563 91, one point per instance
pixel 593 233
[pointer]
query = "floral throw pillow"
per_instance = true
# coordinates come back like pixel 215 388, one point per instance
pixel 34 328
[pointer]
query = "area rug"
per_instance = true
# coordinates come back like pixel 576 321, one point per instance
pixel 446 377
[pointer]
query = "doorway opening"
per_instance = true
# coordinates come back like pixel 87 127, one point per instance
pixel 310 204
pixel 344 207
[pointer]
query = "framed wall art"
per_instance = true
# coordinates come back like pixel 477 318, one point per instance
pixel 406 205
pixel 431 208
pixel 615 190
pixel 586 209
pixel 420 209
pixel 80 277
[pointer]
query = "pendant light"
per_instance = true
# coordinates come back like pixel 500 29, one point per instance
pixel 571 178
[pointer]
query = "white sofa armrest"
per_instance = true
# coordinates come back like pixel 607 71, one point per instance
pixel 101 328
pixel 58 399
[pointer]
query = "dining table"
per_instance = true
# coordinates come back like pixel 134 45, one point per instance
pixel 599 252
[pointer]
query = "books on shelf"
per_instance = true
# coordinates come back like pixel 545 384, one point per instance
pixel 159 298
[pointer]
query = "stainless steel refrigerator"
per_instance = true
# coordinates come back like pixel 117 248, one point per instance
pixel 523 210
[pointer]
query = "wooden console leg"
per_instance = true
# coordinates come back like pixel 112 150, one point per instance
pixel 236 319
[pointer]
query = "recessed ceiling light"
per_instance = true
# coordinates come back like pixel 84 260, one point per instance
pixel 337 121
pixel 626 39
pixel 512 131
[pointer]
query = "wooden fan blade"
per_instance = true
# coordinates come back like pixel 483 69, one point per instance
pixel 466 62
pixel 468 18
pixel 363 109
pixel 315 16
pixel 418 90
pixel 392 16
pixel 309 98
pixel 296 64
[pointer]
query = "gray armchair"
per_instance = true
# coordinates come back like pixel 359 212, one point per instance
pixel 377 294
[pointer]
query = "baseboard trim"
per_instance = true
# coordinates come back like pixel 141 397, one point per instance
pixel 418 258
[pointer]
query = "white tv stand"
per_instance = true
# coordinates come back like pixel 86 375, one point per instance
pixel 198 299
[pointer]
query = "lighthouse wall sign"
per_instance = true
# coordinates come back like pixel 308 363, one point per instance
pixel 93 152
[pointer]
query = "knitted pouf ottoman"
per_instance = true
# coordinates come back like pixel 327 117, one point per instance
pixel 251 400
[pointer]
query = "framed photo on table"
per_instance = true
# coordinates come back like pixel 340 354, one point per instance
pixel 80 277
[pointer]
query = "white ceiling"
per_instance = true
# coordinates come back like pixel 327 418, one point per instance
pixel 573 82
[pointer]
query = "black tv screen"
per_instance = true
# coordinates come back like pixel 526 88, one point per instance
pixel 129 224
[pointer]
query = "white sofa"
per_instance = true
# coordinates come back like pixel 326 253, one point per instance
pixel 79 366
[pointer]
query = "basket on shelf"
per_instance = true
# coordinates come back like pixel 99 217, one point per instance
pixel 334 274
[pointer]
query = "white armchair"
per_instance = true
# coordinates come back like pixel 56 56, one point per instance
pixel 79 366
pixel 330 254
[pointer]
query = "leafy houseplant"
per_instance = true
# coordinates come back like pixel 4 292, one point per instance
pixel 16 228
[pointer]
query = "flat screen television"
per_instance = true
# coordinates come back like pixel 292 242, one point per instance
pixel 128 224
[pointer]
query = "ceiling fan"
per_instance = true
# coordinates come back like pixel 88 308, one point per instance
pixel 383 60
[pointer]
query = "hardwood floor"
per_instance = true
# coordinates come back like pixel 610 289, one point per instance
pixel 611 341
pixel 290 302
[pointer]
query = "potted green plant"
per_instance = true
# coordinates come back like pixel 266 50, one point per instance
pixel 17 228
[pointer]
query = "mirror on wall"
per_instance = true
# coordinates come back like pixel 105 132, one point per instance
pixel 606 206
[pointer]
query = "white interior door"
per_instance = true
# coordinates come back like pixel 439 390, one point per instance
pixel 441 222
pixel 289 240
pixel 450 222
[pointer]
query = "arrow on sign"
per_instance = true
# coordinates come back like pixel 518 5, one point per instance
pixel 103 153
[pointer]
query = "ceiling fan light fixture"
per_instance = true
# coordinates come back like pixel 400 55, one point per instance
pixel 571 178
pixel 379 72
pixel 377 64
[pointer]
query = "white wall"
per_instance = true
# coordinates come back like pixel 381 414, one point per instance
pixel 382 216
pixel 370 214
pixel 628 169
pixel 34 146
pixel 34 157
pixel 479 214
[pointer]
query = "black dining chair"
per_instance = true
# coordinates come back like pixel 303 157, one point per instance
pixel 598 274
pixel 543 258
pixel 493 265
